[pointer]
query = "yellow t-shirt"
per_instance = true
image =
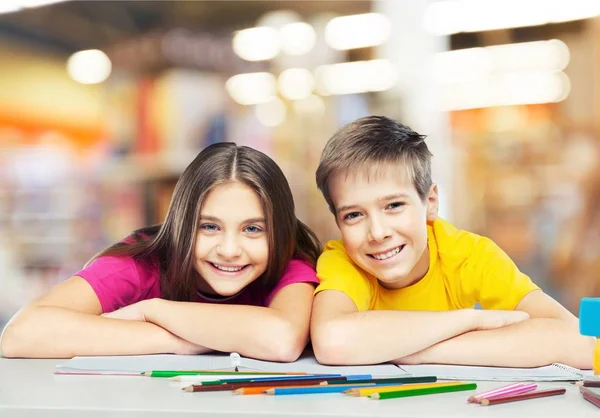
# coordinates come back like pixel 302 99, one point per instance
pixel 464 268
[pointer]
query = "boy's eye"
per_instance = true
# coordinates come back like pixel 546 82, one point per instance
pixel 351 215
pixel 395 205
pixel 253 229
pixel 209 227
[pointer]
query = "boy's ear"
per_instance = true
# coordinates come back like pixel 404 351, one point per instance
pixel 432 203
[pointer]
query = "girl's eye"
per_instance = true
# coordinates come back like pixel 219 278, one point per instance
pixel 253 229
pixel 350 216
pixel 209 227
pixel 395 205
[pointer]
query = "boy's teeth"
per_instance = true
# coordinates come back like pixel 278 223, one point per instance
pixel 387 255
pixel 230 269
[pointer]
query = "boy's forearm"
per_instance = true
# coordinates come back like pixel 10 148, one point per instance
pixel 52 332
pixel 532 343
pixel 379 336
pixel 252 331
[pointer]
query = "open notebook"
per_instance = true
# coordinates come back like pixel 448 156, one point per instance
pixel 213 362
pixel 552 373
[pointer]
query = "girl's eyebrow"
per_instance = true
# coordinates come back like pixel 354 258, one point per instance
pixel 249 221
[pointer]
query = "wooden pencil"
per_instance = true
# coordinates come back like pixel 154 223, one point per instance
pixel 589 383
pixel 215 388
pixel 398 380
pixel 369 391
pixel 523 397
pixel 590 392
pixel 270 384
pixel 590 396
pixel 423 391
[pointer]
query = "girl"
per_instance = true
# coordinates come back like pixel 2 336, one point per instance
pixel 230 269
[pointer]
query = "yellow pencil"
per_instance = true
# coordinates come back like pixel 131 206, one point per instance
pixel 369 391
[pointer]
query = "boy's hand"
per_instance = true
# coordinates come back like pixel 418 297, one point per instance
pixel 492 319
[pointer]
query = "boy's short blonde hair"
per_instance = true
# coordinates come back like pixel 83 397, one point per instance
pixel 370 142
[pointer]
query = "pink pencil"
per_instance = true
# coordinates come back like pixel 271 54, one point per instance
pixel 512 389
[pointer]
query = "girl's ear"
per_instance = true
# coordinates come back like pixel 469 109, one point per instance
pixel 432 203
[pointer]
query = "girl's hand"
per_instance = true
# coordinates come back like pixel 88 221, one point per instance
pixel 184 347
pixel 134 312
pixel 493 319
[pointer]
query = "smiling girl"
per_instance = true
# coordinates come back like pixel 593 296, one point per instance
pixel 230 269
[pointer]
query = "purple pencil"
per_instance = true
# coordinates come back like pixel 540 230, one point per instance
pixel 512 389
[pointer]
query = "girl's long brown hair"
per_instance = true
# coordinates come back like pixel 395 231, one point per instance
pixel 172 243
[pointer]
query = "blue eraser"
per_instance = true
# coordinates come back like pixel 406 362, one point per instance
pixel 589 317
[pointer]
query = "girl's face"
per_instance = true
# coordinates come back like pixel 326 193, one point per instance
pixel 232 243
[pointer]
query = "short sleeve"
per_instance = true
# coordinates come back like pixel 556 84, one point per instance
pixel 297 271
pixel 115 280
pixel 491 278
pixel 336 271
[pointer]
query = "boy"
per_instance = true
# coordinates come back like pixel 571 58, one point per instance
pixel 401 284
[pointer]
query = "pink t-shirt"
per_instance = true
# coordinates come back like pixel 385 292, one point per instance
pixel 122 281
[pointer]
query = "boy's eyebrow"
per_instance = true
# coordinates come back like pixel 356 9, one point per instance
pixel 381 199
pixel 394 196
pixel 248 221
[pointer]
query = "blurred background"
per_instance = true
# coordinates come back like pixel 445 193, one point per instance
pixel 104 103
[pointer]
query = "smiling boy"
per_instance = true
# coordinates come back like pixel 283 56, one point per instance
pixel 402 283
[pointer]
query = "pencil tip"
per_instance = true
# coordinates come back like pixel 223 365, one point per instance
pixel 188 389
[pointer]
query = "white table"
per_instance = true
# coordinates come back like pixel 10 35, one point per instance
pixel 28 389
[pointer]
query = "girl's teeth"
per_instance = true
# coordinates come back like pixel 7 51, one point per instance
pixel 230 269
pixel 387 255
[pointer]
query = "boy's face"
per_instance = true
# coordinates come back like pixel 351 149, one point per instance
pixel 383 222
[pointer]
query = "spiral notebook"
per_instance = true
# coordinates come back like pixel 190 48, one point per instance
pixel 555 372
pixel 134 365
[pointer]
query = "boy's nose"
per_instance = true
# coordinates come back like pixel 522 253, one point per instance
pixel 378 231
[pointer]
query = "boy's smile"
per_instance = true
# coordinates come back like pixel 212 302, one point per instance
pixel 383 222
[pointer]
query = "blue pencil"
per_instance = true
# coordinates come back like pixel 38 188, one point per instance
pixel 316 389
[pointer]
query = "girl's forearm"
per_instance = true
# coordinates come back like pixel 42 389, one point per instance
pixel 252 331
pixel 52 332
pixel 532 343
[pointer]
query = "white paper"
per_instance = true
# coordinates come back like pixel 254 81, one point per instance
pixel 553 372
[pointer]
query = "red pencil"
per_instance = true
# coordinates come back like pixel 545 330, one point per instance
pixel 523 397
pixel 590 396
pixel 589 383
pixel 591 399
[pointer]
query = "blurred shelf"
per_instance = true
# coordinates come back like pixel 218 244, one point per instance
pixel 142 168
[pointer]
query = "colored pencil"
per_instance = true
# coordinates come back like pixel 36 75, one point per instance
pixel 173 373
pixel 590 396
pixel 369 391
pixel 522 397
pixel 313 389
pixel 278 383
pixel 424 391
pixel 398 380
pixel 589 383
pixel 217 388
pixel 315 378
pixel 512 389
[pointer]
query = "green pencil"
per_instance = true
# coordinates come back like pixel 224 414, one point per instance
pixel 173 373
pixel 423 391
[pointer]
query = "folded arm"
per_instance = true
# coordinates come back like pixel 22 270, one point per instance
pixel 278 332
pixel 343 335
pixel 550 336
pixel 66 323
